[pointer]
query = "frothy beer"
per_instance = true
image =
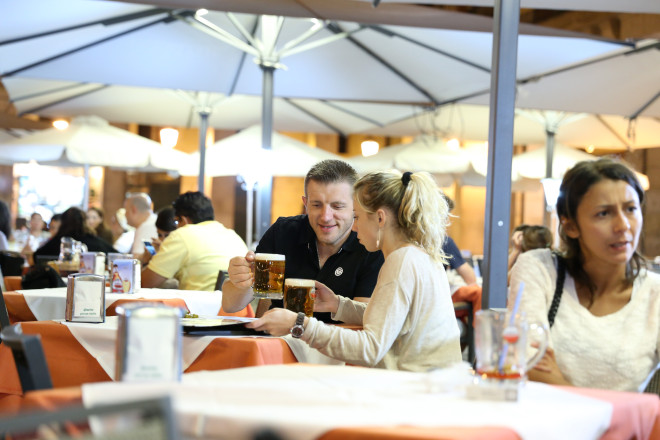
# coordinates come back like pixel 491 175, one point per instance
pixel 268 275
pixel 299 295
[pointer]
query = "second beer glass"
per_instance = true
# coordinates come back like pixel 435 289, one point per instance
pixel 299 295
pixel 268 275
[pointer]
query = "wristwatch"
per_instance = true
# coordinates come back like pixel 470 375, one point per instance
pixel 297 330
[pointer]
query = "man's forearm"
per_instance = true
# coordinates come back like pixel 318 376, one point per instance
pixel 235 299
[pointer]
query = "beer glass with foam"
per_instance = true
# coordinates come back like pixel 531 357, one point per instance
pixel 299 295
pixel 268 276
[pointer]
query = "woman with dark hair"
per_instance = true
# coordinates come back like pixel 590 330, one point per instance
pixel 5 226
pixel 74 224
pixel 602 305
pixel 96 222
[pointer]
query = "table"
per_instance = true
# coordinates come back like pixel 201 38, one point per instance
pixel 633 415
pixel 71 365
pixel 46 304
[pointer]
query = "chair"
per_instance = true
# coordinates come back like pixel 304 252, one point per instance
pixel 11 263
pixel 464 314
pixel 141 419
pixel 222 275
pixel 13 282
pixel 654 384
pixel 4 314
pixel 29 358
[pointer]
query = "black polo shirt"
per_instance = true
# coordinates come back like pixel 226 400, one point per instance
pixel 450 248
pixel 351 272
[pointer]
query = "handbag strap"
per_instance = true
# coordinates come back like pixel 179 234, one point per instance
pixel 561 276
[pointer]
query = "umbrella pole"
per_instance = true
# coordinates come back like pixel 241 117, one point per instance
pixel 500 136
pixel 549 156
pixel 203 128
pixel 265 182
pixel 249 202
pixel 85 201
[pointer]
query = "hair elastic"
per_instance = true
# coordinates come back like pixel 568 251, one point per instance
pixel 406 178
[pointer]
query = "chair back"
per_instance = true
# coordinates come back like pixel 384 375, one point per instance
pixel 11 263
pixel 29 358
pixel 222 275
pixel 141 419
pixel 4 314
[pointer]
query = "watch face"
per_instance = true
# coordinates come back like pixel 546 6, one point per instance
pixel 297 331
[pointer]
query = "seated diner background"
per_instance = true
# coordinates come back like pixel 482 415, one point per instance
pixel 409 322
pixel 74 224
pixel 605 330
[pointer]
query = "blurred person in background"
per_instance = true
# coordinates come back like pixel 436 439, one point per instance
pixel 197 250
pixel 74 224
pixel 96 222
pixel 122 233
pixel 35 237
pixel 600 302
pixel 527 237
pixel 5 226
pixel 54 225
pixel 140 215
pixel 165 224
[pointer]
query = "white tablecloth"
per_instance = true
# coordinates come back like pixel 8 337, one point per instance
pixel 99 340
pixel 49 304
pixel 302 402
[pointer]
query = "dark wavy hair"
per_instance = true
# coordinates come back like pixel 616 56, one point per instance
pixel 5 219
pixel 574 186
pixel 194 205
pixel 74 224
pixel 165 219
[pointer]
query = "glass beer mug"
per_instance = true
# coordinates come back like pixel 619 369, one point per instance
pixel 502 344
pixel 268 275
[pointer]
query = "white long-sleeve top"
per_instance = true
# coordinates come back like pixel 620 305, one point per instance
pixel 616 351
pixel 409 323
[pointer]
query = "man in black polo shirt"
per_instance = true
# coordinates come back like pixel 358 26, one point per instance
pixel 319 245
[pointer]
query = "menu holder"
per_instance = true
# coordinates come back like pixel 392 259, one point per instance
pixel 93 262
pixel 125 276
pixel 85 298
pixel 149 343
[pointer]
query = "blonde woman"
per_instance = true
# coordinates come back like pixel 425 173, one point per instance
pixel 409 323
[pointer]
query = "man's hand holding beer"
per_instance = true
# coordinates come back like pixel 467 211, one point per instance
pixel 237 289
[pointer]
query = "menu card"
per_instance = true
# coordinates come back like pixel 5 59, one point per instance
pixel 85 298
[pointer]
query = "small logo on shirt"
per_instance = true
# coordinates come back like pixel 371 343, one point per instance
pixel 339 271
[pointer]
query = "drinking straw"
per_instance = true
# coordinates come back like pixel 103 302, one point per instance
pixel 512 320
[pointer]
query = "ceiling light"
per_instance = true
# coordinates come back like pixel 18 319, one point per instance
pixel 60 124
pixel 453 144
pixel 369 148
pixel 169 137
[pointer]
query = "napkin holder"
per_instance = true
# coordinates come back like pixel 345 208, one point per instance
pixel 149 343
pixel 85 298
pixel 125 276
pixel 93 262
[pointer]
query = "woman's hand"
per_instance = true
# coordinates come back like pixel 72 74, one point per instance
pixel 276 322
pixel 547 370
pixel 326 300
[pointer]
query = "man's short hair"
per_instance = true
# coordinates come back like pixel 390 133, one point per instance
pixel 194 205
pixel 141 201
pixel 331 171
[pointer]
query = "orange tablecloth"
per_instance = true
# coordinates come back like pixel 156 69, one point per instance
pixel 628 410
pixel 20 312
pixel 71 365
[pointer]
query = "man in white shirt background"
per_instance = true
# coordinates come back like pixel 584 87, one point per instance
pixel 140 215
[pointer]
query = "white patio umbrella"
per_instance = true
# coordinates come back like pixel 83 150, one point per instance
pixel 241 155
pixel 89 141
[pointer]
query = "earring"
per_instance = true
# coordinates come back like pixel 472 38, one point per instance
pixel 378 239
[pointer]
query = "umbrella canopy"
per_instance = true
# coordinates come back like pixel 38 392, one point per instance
pixel 241 155
pixel 329 61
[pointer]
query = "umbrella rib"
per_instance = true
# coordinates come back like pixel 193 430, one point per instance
pixel 241 63
pixel 350 112
pixel 322 121
pixel 429 47
pixel 68 98
pixel 612 130
pixel 334 27
pixel 80 48
pixel 105 21
pixel 645 106
pixel 49 92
